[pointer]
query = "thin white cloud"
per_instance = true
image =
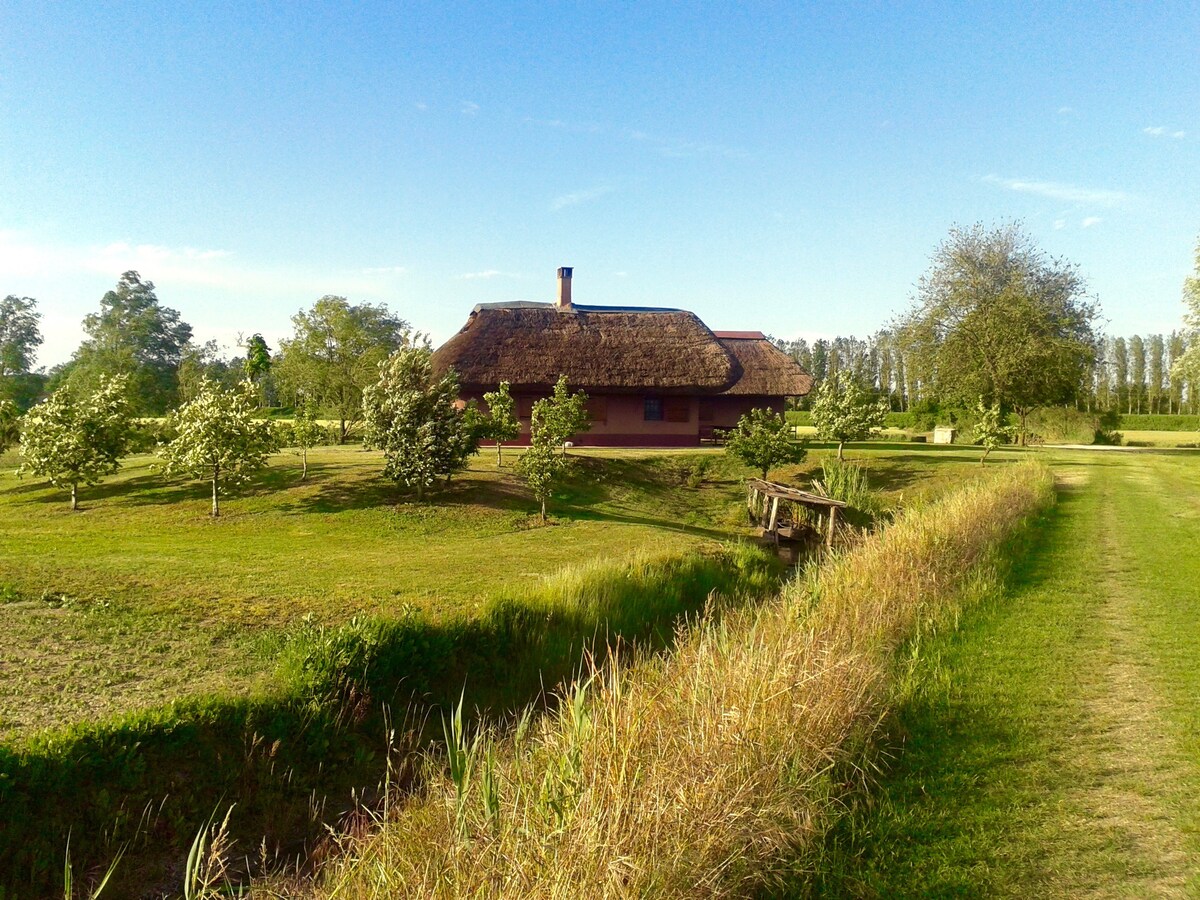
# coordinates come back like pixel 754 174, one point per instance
pixel 469 108
pixel 564 125
pixel 385 270
pixel 562 201
pixel 1163 131
pixel 421 106
pixel 1090 221
pixel 485 274
pixel 28 256
pixel 1066 111
pixel 1060 224
pixel 1056 191
pixel 679 149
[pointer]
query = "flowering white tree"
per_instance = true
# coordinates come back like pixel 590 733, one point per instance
pixel 1188 365
pixel 218 439
pixel 414 418
pixel 77 438
pixel 846 411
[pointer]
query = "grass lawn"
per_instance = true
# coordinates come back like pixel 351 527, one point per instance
pixel 1052 746
pixel 141 597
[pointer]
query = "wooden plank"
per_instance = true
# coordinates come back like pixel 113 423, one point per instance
pixel 774 514
pixel 832 523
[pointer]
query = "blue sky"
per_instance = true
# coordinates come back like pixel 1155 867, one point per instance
pixel 784 167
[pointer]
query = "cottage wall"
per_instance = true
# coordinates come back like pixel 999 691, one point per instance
pixel 622 422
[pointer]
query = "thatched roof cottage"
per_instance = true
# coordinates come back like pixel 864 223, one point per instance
pixel 654 377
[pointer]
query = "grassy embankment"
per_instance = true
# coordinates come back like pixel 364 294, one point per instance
pixel 1052 746
pixel 702 771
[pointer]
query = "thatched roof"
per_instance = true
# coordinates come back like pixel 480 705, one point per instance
pixel 766 370
pixel 601 349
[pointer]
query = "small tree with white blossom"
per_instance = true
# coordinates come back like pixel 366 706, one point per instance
pixel 218 439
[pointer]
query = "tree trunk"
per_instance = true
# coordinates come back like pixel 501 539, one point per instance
pixel 986 451
pixel 341 431
pixel 304 463
pixel 841 444
pixel 499 461
pixel 74 498
pixel 216 509
pixel 543 509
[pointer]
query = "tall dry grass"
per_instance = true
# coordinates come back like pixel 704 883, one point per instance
pixel 699 773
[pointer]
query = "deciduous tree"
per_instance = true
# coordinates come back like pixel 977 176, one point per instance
pixel 990 430
pixel 19 335
pixel 10 424
pixel 75 437
pixel 133 335
pixel 218 439
pixel 415 419
pixel 501 424
pixel 762 439
pixel 552 421
pixel 995 318
pixel 336 353
pixel 1187 367
pixel 846 411
pixel 306 432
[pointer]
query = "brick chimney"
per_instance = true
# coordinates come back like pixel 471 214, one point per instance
pixel 564 287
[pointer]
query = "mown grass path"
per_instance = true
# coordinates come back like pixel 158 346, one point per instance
pixel 1052 747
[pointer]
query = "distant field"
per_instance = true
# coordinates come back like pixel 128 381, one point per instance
pixel 1160 438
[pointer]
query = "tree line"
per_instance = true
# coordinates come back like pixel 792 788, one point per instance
pixel 1134 374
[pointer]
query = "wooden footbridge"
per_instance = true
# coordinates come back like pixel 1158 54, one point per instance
pixel 773 507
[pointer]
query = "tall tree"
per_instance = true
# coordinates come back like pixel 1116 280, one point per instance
pixel 336 352
pixel 1120 367
pixel 995 318
pixel 19 339
pixel 1176 346
pixel 1155 372
pixel 75 437
pixel 133 335
pixel 19 335
pixel 1137 372
pixel 1187 367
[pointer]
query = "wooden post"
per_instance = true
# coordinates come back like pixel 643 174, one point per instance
pixel 774 514
pixel 832 522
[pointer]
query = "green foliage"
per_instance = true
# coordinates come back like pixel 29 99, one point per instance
pixel 134 336
pixel 415 419
pixel 304 432
pixel 847 481
pixel 553 421
pixel 762 439
pixel 561 416
pixel 1158 423
pixel 846 411
pixel 336 352
pixel 19 335
pixel 258 358
pixel 501 424
pixel 1188 365
pixel 76 438
pixel 996 319
pixel 218 439
pixel 990 431
pixel 10 424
